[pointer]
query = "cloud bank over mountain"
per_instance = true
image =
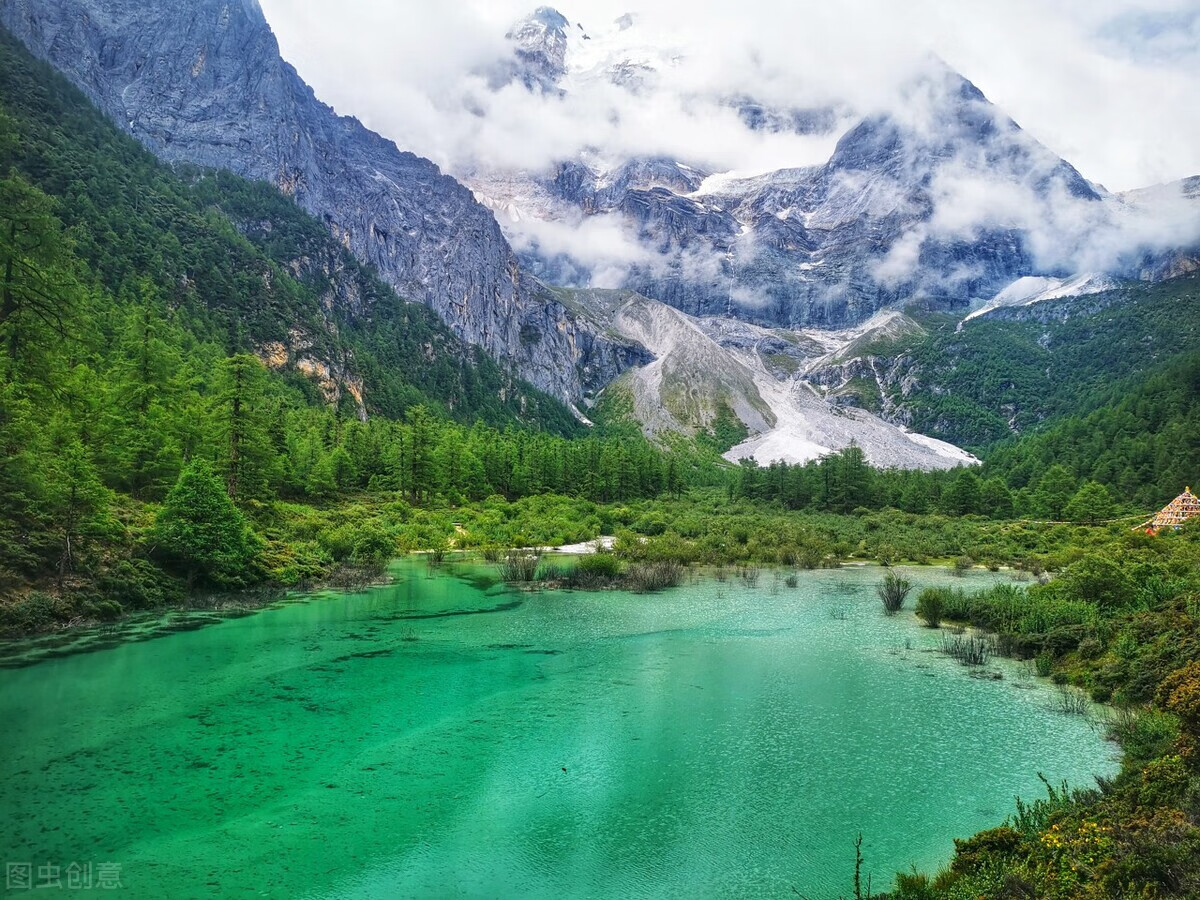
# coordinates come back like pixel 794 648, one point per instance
pixel 1109 85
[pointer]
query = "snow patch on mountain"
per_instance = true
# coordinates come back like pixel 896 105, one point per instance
pixel 702 365
pixel 1032 289
pixel 808 428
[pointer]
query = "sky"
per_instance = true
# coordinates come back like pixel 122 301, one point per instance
pixel 1112 86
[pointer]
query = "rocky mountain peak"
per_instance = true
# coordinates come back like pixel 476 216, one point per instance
pixel 540 46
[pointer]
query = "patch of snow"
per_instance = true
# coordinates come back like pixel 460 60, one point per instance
pixel 943 448
pixel 808 427
pixel 1035 289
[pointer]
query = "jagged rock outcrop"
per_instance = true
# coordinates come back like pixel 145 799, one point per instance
pixel 203 82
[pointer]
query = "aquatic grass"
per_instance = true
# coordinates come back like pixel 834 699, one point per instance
pixel 893 591
pixel 1071 702
pixel 648 577
pixel 520 566
pixel 969 650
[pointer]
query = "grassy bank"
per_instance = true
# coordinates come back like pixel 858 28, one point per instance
pixel 1120 621
pixel 288 544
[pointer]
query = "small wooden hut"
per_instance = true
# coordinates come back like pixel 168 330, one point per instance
pixel 1175 513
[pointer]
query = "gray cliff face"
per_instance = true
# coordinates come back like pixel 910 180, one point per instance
pixel 203 82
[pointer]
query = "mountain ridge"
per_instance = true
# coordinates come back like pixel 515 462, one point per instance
pixel 210 88
pixel 942 198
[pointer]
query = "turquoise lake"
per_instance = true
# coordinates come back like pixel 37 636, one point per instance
pixel 445 736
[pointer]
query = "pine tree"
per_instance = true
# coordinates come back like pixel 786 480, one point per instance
pixel 963 496
pixel 200 531
pixel 1054 491
pixel 77 502
pixel 38 293
pixel 248 458
pixel 995 499
pixel 1091 505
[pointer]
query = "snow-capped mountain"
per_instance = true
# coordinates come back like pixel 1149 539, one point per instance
pixel 940 197
pixel 630 255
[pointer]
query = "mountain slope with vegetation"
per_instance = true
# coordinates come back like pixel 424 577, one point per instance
pixel 980 382
pixel 239 264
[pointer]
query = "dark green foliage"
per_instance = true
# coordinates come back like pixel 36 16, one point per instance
pixel 1097 579
pixel 1062 360
pixel 1142 444
pixel 893 591
pixel 600 565
pixel 201 533
pixel 1091 505
pixel 931 606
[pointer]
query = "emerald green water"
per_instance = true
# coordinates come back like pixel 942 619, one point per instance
pixel 444 737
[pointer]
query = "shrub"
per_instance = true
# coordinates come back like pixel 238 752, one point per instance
pixel 931 607
pixel 520 566
pixel 1144 734
pixel 1099 580
pixel 138 584
pixel 600 565
pixel 1043 664
pixel 373 546
pixel 792 581
pixel 1180 694
pixel 646 577
pixel 893 590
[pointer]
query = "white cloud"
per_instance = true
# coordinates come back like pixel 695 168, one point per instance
pixel 604 244
pixel 1108 84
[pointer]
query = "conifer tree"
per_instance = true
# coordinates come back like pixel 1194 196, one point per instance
pixel 200 531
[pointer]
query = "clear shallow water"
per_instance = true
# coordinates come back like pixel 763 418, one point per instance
pixel 446 738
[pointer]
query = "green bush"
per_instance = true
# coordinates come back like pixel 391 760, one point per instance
pixel 931 606
pixel 138 584
pixel 600 565
pixel 893 591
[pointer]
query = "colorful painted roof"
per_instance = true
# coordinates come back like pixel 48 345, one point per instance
pixel 1178 511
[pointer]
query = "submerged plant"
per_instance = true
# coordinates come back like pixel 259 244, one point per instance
pixel 520 566
pixel 647 577
pixel 893 591
pixel 969 650
pixel 1072 703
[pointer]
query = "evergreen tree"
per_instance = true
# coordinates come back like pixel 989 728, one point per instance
pixel 1054 491
pixel 1091 505
pixel 77 502
pixel 995 499
pixel 248 458
pixel 963 496
pixel 38 293
pixel 201 532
